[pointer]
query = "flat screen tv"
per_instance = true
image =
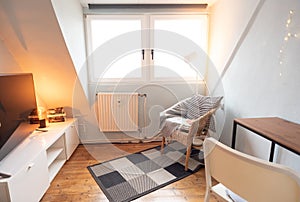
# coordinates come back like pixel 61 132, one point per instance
pixel 17 100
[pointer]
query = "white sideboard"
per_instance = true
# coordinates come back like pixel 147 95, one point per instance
pixel 35 162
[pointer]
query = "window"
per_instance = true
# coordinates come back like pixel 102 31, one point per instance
pixel 193 27
pixel 140 47
pixel 103 29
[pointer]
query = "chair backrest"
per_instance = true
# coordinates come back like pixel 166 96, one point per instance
pixel 200 123
pixel 251 178
pixel 204 120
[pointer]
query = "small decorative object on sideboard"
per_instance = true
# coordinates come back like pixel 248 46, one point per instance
pixel 38 116
pixel 56 115
pixel 33 117
pixel 42 114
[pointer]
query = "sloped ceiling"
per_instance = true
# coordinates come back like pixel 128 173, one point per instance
pixel 31 34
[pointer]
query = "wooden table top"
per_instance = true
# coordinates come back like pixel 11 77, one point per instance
pixel 283 132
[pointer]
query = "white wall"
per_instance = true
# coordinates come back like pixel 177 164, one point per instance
pixel 252 83
pixel 70 17
pixel 160 96
pixel 32 42
pixel 228 19
pixel 7 62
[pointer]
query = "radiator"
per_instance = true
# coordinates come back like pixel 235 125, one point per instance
pixel 117 111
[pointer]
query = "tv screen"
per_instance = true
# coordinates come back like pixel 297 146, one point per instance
pixel 17 100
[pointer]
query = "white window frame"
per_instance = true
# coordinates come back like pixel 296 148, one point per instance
pixel 147 70
pixel 92 78
pixel 204 42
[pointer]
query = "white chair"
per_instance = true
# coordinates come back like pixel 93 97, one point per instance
pixel 250 178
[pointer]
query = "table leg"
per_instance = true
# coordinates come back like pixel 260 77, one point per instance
pixel 272 152
pixel 233 135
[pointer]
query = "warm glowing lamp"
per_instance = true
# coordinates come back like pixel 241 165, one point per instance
pixel 41 112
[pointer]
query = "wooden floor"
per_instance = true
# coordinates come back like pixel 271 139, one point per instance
pixel 74 182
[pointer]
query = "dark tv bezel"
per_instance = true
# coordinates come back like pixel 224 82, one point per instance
pixel 23 128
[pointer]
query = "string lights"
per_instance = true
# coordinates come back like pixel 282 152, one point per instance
pixel 286 38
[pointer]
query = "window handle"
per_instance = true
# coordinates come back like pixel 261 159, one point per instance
pixel 143 54
pixel 152 54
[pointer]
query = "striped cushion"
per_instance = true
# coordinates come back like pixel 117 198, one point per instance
pixel 198 105
pixel 178 109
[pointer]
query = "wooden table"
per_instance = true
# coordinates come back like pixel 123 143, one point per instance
pixel 277 130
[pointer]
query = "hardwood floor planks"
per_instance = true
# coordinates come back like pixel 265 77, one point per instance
pixel 74 182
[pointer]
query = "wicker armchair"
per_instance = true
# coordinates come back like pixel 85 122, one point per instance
pixel 187 131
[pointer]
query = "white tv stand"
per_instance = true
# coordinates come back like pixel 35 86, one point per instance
pixel 34 163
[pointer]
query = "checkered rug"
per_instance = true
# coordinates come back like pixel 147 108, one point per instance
pixel 138 174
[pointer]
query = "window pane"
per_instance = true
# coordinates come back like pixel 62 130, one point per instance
pixel 128 66
pixel 191 27
pixel 103 30
pixel 168 65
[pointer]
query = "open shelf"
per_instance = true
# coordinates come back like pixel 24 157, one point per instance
pixel 55 167
pixel 52 154
pixel 56 156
